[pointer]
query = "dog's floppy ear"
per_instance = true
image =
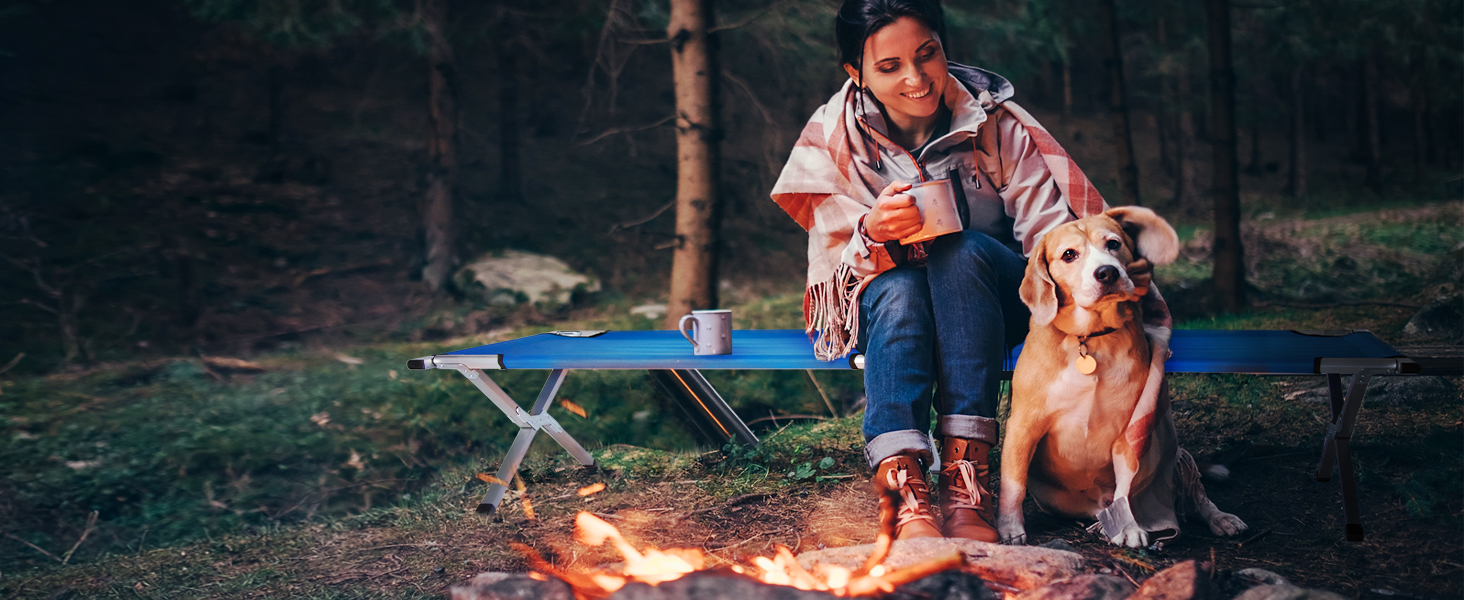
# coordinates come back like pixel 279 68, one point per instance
pixel 1154 237
pixel 1038 291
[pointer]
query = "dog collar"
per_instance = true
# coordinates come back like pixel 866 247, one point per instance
pixel 1085 363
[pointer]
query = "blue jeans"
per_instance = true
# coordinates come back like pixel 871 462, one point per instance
pixel 943 328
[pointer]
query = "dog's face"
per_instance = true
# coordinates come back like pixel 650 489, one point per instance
pixel 1084 263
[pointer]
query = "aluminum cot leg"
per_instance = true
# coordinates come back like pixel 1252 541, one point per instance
pixel 529 425
pixel 1337 447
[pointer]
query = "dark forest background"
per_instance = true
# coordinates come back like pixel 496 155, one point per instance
pixel 212 176
pixel 225 224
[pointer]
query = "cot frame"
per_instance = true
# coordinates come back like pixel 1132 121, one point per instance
pixel 694 393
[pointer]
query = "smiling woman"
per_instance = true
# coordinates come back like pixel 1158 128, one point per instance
pixel 929 315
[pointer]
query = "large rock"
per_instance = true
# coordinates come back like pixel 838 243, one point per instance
pixel 1082 587
pixel 1441 319
pixel 511 586
pixel 1184 581
pixel 947 585
pixel 512 277
pixel 1286 592
pixel 1022 567
pixel 711 586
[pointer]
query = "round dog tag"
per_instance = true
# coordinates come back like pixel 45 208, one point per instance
pixel 1086 364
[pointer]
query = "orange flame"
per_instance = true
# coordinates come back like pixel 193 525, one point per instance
pixel 653 566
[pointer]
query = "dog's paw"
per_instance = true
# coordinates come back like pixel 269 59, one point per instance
pixel 1011 531
pixel 1227 524
pixel 1132 536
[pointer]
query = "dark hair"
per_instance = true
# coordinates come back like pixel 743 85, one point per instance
pixel 859 19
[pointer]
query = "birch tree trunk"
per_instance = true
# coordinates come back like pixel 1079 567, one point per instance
pixel 694 265
pixel 1123 141
pixel 441 179
pixel 1229 267
pixel 1297 185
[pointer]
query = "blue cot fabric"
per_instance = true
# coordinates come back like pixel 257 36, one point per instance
pixel 1195 351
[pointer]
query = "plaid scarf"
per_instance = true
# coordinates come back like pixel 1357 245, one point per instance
pixel 829 182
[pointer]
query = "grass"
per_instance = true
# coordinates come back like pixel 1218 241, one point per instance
pixel 211 484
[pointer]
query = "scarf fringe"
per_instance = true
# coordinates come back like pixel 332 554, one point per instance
pixel 831 310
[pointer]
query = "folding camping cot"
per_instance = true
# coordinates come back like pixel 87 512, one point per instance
pixel 669 359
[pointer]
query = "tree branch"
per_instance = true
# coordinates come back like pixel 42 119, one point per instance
pixel 11 365
pixel 749 20
pixel 628 224
pixel 91 522
pixel 33 546
pixel 746 89
pixel 610 132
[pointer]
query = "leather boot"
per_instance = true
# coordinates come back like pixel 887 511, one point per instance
pixel 904 474
pixel 965 494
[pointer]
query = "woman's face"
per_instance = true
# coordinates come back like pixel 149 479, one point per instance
pixel 905 68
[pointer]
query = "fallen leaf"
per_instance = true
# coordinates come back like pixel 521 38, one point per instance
pixel 592 489
pixel 574 408
pixel 392 374
pixel 486 478
pixel 355 462
pixel 320 419
pixel 232 364
pixel 350 360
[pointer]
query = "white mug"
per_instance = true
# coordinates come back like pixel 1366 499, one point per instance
pixel 711 331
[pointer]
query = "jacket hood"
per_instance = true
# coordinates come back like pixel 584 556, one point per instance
pixel 978 80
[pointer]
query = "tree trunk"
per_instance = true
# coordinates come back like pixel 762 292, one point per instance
pixel 441 180
pixel 1184 155
pixel 511 179
pixel 1123 141
pixel 1067 89
pixel 276 77
pixel 1229 267
pixel 1254 168
pixel 1419 95
pixel 1296 187
pixel 1164 115
pixel 1370 122
pixel 694 265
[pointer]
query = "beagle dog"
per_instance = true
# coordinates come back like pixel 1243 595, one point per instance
pixel 1090 434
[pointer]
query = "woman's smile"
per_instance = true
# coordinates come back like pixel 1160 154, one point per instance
pixel 918 94
pixel 905 68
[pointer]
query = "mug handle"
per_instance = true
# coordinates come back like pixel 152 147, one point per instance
pixel 681 326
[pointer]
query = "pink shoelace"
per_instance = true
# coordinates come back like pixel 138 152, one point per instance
pixel 909 506
pixel 969 491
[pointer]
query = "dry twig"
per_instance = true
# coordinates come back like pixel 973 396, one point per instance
pixel 91 522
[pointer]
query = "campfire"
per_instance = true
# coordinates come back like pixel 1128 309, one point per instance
pixel 653 566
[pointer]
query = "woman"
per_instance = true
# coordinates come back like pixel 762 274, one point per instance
pixel 934 319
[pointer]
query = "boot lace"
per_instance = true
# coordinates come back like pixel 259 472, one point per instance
pixel 969 490
pixel 910 508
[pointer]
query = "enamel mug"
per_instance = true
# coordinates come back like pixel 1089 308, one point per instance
pixel 936 201
pixel 710 333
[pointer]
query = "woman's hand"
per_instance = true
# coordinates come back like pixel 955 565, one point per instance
pixel 894 215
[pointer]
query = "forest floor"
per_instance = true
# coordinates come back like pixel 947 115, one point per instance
pixel 328 471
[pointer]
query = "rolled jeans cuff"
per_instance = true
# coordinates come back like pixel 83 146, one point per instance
pixel 968 426
pixel 894 443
